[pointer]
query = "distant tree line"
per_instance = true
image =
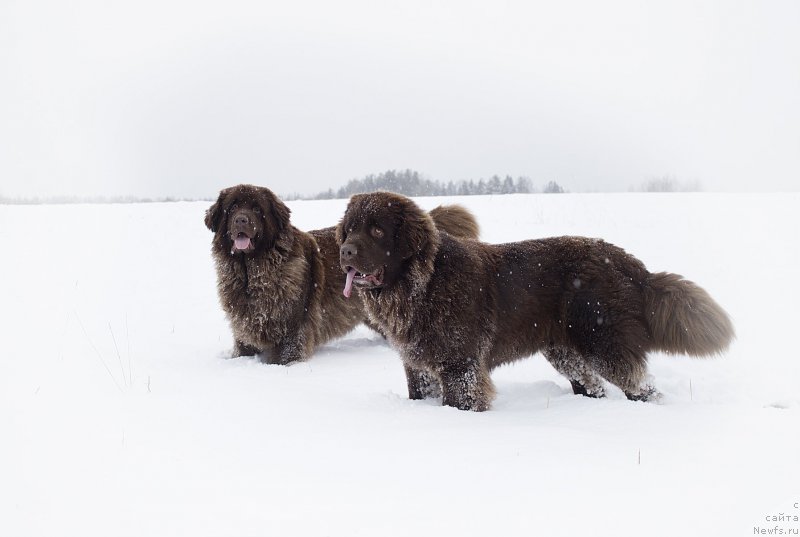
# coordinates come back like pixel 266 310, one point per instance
pixel 411 183
pixel 407 182
pixel 668 183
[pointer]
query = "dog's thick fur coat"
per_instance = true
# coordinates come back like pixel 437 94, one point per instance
pixel 455 309
pixel 280 287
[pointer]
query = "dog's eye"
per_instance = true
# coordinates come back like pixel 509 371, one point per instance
pixel 376 232
pixel 234 207
pixel 257 209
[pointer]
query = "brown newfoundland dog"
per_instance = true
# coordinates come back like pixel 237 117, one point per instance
pixel 281 287
pixel 456 309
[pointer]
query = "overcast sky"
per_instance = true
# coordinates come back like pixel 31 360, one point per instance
pixel 181 98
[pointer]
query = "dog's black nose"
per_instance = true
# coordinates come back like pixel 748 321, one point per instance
pixel 241 220
pixel 347 252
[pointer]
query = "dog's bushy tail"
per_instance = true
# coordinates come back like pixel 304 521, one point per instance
pixel 683 318
pixel 455 220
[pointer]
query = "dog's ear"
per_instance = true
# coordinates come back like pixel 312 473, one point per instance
pixel 415 229
pixel 215 213
pixel 338 232
pixel 347 217
pixel 270 204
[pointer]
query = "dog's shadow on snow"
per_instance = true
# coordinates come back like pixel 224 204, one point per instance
pixel 350 345
pixel 341 346
pixel 529 395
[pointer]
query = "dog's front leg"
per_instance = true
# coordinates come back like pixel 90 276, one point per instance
pixel 289 350
pixel 468 387
pixel 422 384
pixel 243 349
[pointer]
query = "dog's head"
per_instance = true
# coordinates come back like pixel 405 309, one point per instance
pixel 247 219
pixel 379 235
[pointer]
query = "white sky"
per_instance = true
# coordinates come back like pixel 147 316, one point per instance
pixel 181 98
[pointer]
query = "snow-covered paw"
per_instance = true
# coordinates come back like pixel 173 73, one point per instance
pixel 647 393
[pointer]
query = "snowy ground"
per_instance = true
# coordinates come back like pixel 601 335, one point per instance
pixel 120 415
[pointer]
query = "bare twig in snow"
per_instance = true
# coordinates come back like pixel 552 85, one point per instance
pixel 110 374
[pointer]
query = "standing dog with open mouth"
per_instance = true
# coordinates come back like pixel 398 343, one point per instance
pixel 456 309
pixel 280 286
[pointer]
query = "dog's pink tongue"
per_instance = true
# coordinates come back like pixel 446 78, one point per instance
pixel 242 243
pixel 348 284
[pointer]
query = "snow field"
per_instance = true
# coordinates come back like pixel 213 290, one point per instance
pixel 121 415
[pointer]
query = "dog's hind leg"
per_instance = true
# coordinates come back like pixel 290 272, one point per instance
pixel 614 343
pixel 577 369
pixel 627 369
